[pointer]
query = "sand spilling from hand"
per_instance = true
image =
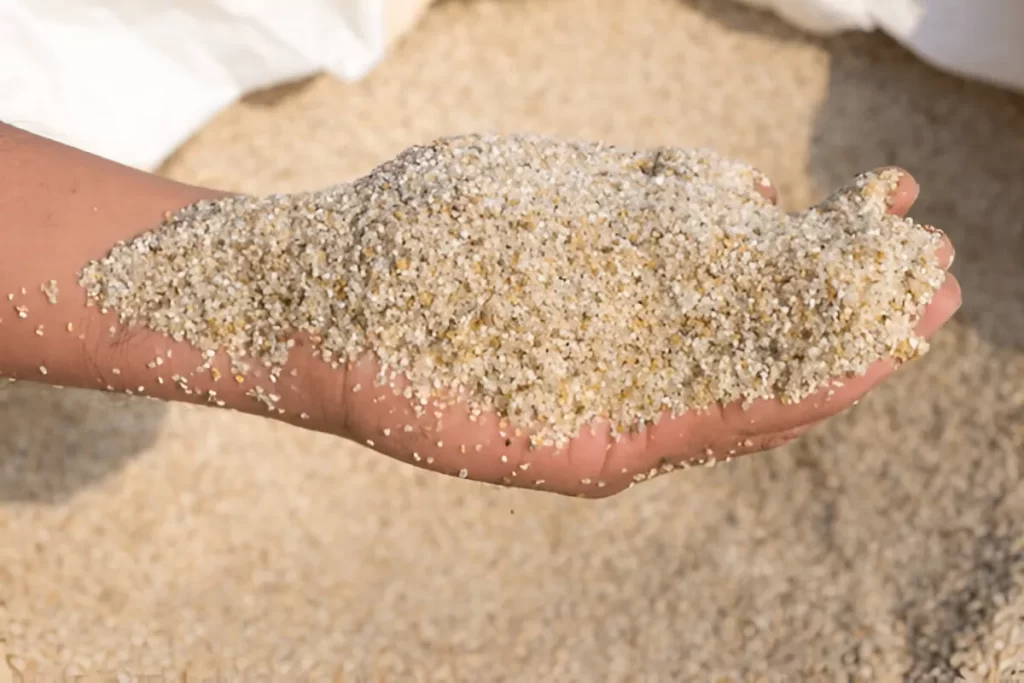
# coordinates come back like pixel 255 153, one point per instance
pixel 555 282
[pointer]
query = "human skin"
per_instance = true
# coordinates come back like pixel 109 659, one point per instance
pixel 61 208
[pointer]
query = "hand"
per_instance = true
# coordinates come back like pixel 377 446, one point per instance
pixel 64 208
pixel 593 464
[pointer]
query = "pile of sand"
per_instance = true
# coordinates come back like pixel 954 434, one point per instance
pixel 887 544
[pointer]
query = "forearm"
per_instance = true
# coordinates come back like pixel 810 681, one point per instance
pixel 59 209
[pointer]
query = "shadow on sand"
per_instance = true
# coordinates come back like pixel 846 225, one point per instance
pixel 57 442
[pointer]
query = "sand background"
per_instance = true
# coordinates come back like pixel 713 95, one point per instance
pixel 887 545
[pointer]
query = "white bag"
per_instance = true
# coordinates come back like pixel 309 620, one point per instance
pixel 823 17
pixel 982 39
pixel 133 79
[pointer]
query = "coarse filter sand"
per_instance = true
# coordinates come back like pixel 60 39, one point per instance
pixel 554 282
pixel 885 545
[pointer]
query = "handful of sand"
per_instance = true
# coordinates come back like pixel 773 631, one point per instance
pixel 553 282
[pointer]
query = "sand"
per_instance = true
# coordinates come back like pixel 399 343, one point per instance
pixel 553 282
pixel 884 546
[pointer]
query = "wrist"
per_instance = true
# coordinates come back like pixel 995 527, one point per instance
pixel 62 208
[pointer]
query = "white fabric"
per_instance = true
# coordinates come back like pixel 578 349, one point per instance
pixel 133 79
pixel 982 39
pixel 823 17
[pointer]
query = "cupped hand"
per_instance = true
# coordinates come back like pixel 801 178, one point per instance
pixel 73 207
pixel 594 464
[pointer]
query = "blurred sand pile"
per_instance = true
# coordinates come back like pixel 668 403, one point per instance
pixel 885 546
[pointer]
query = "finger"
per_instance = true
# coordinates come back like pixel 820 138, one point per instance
pixel 765 187
pixel 902 199
pixel 734 430
pixel 640 459
pixel 759 443
pixel 774 416
pixel 906 193
pixel 945 252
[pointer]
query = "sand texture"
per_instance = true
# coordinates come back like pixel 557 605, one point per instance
pixel 554 282
pixel 886 545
